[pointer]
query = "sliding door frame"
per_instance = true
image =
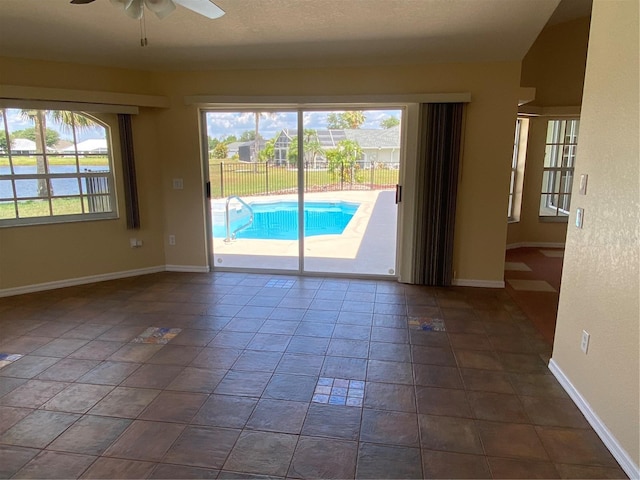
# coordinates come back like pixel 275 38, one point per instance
pixel 410 106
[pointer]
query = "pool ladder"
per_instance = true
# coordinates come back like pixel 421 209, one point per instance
pixel 232 235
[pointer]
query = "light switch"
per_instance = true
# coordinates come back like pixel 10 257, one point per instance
pixel 579 217
pixel 583 184
pixel 178 184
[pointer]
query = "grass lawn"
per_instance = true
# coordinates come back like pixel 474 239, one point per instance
pixel 40 208
pixel 238 178
pixel 27 161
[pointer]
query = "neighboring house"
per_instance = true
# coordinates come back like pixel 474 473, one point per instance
pixel 23 146
pixel 232 149
pixel 61 145
pixel 246 150
pixel 93 145
pixel 378 145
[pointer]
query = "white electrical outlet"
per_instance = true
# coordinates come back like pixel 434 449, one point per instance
pixel 584 343
pixel 172 239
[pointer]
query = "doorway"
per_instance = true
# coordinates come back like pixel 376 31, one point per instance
pixel 303 190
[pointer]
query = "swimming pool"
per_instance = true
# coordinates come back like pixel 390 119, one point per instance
pixel 279 220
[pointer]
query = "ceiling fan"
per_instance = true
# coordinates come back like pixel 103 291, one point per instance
pixel 162 8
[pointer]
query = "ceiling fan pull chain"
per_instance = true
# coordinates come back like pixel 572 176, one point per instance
pixel 143 31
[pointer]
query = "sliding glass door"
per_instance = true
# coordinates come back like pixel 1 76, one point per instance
pixel 253 189
pixel 342 166
pixel 352 162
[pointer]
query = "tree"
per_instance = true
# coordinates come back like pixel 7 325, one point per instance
pixel 389 122
pixel 352 119
pixel 220 151
pixel 3 141
pixel 342 160
pixel 311 145
pixel 51 136
pixel 66 120
pixel 257 137
pixel 268 152
pixel 213 143
pixel 247 136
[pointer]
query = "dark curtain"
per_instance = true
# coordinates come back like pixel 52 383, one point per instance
pixel 438 167
pixel 129 171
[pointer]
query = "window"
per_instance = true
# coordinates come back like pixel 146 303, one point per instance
pixel 559 160
pixel 55 166
pixel 517 169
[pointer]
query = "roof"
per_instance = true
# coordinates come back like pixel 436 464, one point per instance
pixel 375 138
pixel 23 145
pixel 90 145
pixel 366 137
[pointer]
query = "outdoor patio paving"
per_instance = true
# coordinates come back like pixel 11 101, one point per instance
pixel 367 245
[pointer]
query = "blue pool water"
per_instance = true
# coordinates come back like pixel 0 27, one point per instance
pixel 279 220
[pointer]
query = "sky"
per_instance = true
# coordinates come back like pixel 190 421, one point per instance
pixel 222 124
pixel 16 121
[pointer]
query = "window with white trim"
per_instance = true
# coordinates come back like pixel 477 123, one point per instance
pixel 55 166
pixel 517 167
pixel 559 162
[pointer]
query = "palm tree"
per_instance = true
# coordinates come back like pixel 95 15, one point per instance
pixel 67 120
pixel 256 140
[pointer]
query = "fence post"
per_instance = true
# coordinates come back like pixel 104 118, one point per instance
pixel 341 175
pixel 266 175
pixel 372 167
pixel 222 179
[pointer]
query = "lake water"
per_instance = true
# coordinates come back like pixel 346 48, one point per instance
pixel 29 187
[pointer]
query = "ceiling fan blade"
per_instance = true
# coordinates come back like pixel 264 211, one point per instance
pixel 203 7
pixel 81 2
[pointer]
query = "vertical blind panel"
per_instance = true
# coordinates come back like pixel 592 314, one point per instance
pixel 129 171
pixel 438 167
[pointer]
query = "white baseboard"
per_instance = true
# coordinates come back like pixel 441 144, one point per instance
pixel 535 245
pixel 619 453
pixel 465 282
pixel 72 282
pixel 187 268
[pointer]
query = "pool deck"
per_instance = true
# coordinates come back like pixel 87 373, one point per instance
pixel 366 246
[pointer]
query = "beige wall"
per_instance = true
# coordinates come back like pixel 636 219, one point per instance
pixel 600 287
pixel 168 146
pixel 554 66
pixel 555 63
pixel 480 225
pixel 51 253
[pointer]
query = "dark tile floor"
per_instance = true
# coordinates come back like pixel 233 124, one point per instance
pixel 258 375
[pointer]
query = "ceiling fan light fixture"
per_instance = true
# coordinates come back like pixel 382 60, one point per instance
pixel 161 8
pixel 132 8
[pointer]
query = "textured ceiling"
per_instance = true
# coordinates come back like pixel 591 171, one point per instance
pixel 276 33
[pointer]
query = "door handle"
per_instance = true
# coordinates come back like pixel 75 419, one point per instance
pixel 208 187
pixel 398 194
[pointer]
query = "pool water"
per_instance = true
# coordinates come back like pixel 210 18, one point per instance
pixel 279 220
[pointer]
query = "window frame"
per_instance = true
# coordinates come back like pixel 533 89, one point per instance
pixel 517 169
pixel 561 168
pixel 88 199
